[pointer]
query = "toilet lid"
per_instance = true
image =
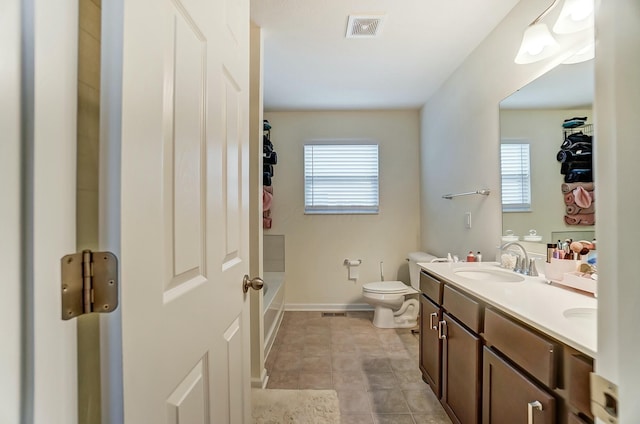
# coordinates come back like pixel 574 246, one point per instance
pixel 385 287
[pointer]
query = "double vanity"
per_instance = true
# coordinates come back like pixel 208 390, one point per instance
pixel 498 347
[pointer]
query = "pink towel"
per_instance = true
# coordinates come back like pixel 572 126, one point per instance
pixel 569 187
pixel 569 199
pixel 267 199
pixel 575 209
pixel 580 219
pixel 582 197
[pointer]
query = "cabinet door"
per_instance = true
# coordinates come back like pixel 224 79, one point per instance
pixel 506 394
pixel 430 344
pixel 461 372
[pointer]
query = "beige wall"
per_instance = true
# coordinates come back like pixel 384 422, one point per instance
pixel 542 129
pixel 316 245
pixel 87 198
pixel 460 140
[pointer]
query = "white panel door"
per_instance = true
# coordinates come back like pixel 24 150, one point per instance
pixel 184 211
pixel 38 65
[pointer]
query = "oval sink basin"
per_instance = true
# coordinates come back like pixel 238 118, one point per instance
pixel 489 275
pixel 583 315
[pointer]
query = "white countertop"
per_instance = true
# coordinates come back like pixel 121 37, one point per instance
pixel 532 301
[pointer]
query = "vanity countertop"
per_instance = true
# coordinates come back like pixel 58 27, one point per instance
pixel 564 314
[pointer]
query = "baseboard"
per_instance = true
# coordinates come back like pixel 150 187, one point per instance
pixel 328 307
pixel 260 383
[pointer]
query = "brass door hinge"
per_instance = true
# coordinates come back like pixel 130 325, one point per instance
pixel 89 283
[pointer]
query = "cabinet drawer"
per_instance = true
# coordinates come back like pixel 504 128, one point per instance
pixel 534 353
pixel 431 287
pixel 578 383
pixel 465 309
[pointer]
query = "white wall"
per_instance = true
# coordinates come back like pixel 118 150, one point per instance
pixel 316 245
pixel 542 129
pixel 459 151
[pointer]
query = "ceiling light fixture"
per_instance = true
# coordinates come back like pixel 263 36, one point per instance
pixel 537 41
pixel 575 15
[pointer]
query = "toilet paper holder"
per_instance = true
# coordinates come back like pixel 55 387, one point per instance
pixel 349 262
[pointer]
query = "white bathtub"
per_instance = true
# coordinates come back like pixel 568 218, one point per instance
pixel 273 306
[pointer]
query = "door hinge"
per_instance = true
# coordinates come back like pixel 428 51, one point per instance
pixel 89 283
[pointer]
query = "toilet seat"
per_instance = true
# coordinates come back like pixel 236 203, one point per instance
pixel 386 287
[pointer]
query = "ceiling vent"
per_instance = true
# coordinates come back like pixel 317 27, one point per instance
pixel 364 26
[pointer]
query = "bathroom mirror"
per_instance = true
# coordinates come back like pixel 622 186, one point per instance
pixel 534 115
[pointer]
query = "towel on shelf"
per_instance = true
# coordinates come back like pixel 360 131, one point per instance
pixel 266 219
pixel 582 197
pixel 580 219
pixel 267 199
pixel 569 187
pixel 575 209
pixel 569 199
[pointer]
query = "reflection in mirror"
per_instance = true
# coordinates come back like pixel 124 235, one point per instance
pixel 531 124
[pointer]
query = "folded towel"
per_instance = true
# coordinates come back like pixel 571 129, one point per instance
pixel 267 198
pixel 569 199
pixel 269 189
pixel 580 219
pixel 579 176
pixel 575 209
pixel 582 197
pixel 569 187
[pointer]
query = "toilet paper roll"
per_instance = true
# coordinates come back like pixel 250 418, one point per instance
pixel 353 263
pixel 353 272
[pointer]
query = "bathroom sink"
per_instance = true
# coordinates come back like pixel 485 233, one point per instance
pixel 489 275
pixel 582 315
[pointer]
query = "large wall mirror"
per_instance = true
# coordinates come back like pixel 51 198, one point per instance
pixel 534 116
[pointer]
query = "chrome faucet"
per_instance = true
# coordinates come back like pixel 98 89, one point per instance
pixel 523 265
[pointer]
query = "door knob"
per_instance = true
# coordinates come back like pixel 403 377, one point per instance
pixel 255 283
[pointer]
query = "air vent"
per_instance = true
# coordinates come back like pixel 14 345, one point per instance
pixel 364 26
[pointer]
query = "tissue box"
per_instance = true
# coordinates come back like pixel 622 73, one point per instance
pixel 556 269
pixel 577 281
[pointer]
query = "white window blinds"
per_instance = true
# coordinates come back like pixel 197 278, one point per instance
pixel 341 178
pixel 516 177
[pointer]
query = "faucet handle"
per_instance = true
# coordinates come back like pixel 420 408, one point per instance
pixel 533 272
pixel 518 268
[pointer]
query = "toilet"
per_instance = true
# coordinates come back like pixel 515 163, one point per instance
pixel 388 297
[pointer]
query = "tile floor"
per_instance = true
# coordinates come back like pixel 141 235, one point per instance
pixel 374 371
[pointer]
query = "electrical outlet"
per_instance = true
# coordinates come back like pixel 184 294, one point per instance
pixel 467 220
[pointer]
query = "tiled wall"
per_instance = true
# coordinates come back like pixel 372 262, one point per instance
pixel 87 199
pixel 273 253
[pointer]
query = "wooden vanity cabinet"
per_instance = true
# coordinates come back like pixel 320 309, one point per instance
pixel 461 371
pixel 508 395
pixel 430 343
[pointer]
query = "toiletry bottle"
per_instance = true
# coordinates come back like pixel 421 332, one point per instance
pixel 470 257
pixel 550 250
pixel 478 257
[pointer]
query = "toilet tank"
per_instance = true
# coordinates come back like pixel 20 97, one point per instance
pixel 414 269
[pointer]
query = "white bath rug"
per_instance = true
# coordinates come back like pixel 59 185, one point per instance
pixel 279 406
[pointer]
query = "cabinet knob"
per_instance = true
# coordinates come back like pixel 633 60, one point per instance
pixel 535 404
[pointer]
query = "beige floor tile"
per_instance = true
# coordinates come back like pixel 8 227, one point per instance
pixel 388 402
pixel 316 364
pixel 356 419
pixel 440 418
pixel 353 402
pixel 392 419
pixel 315 380
pixel 422 401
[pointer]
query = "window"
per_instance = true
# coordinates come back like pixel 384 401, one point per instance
pixel 341 178
pixel 516 177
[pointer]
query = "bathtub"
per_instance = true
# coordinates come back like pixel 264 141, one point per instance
pixel 272 306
